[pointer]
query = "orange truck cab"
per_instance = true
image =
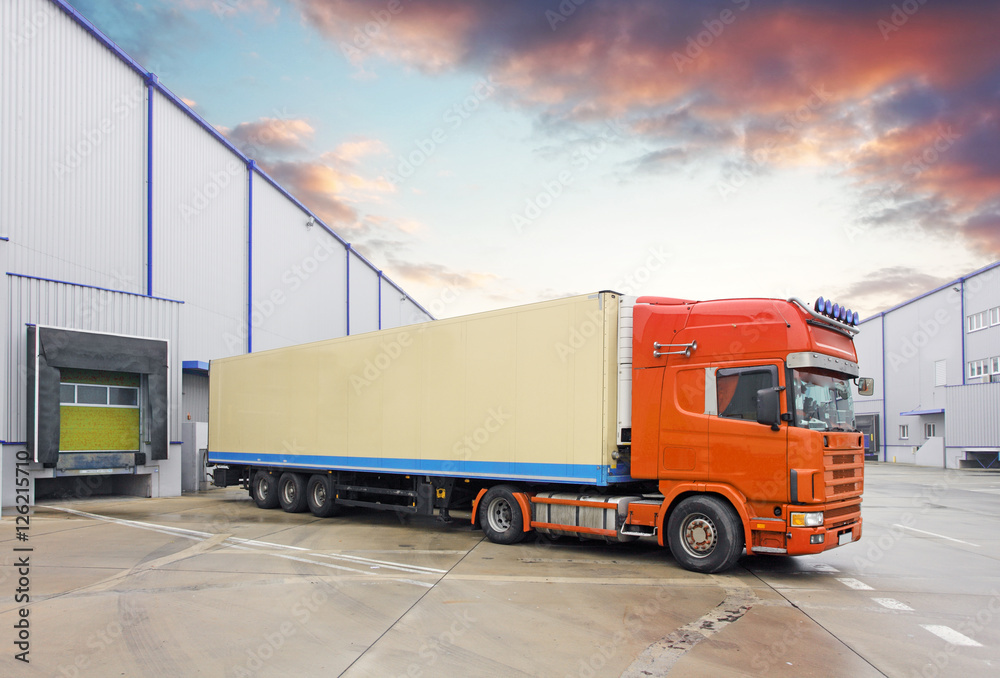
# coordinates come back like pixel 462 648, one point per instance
pixel 742 412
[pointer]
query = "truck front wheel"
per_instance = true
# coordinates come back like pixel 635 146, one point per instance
pixel 320 497
pixel 292 492
pixel 705 534
pixel 265 490
pixel 500 515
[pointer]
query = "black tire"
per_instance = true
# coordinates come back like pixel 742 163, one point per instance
pixel 292 492
pixel 320 497
pixel 705 534
pixel 264 490
pixel 500 515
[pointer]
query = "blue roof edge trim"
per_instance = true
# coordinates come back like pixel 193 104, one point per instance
pixel 159 86
pixel 195 365
pixel 93 287
pixel 917 413
pixel 956 281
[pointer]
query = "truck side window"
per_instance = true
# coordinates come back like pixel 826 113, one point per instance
pixel 737 389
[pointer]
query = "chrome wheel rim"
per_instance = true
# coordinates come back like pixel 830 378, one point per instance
pixel 699 535
pixel 500 515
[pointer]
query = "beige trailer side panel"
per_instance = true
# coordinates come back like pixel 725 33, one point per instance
pixel 527 392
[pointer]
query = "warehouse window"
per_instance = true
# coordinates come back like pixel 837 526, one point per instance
pixel 995 365
pixel 930 430
pixel 978 368
pixel 904 431
pixel 995 316
pixel 100 396
pixel 977 321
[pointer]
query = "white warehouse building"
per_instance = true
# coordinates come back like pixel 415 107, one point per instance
pixel 936 363
pixel 136 245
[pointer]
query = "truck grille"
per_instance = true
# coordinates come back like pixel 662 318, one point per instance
pixel 843 474
pixel 845 514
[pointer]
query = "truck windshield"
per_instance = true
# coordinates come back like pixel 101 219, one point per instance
pixel 822 401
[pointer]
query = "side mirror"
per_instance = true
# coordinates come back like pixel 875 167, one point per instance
pixel 769 408
pixel 866 386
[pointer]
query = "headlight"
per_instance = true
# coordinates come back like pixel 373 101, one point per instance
pixel 807 519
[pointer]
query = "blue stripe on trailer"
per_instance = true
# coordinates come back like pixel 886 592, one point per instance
pixel 552 473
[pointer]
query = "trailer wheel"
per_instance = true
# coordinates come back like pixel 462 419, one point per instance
pixel 292 492
pixel 500 515
pixel 320 497
pixel 264 490
pixel 705 534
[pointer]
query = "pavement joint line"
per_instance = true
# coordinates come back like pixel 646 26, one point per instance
pixel 939 536
pixel 819 624
pixel 951 636
pixel 416 602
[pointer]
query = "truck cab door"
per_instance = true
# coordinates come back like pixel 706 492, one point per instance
pixel 749 456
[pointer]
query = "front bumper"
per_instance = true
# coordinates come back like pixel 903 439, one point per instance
pixel 805 540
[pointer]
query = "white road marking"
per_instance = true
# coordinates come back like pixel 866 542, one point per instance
pixel 939 536
pixel 950 635
pixel 823 567
pixel 418 569
pixel 893 604
pixel 245 544
pixel 854 584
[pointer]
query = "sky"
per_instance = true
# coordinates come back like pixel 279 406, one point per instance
pixel 487 154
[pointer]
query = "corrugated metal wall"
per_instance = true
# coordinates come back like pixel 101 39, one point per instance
pixel 391 308
pixel 72 152
pixel 300 274
pixel 199 231
pixel 364 296
pixel 973 415
pixel 40 302
pixel 410 312
pixel 195 397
